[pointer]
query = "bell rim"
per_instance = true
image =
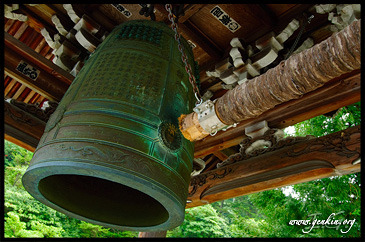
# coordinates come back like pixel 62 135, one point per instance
pixel 35 173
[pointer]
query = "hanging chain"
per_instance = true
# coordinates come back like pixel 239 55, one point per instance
pixel 184 58
pixel 309 19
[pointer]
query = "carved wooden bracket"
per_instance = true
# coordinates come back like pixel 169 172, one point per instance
pixel 22 127
pixel 35 110
pixel 290 161
pixel 269 137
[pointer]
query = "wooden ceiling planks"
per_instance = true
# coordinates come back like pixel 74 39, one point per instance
pixel 24 94
pixel 279 9
pixel 251 17
pixel 204 51
pixel 18 92
pixel 34 40
pixel 40 45
pixel 20 30
pixel 8 24
pixel 189 11
pixel 29 96
pixel 9 88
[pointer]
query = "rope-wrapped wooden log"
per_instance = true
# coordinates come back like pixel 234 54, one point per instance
pixel 299 74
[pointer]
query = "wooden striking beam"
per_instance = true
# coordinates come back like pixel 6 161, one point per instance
pixel 300 160
pixel 337 93
pixel 46 84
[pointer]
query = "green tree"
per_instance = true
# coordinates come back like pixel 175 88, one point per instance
pixel 322 125
pixel 339 194
pixel 15 155
pixel 201 222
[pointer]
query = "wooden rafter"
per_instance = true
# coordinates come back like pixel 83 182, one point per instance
pixel 194 34
pixel 37 59
pixel 189 11
pixel 46 84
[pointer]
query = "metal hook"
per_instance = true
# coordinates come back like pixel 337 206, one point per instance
pixel 199 101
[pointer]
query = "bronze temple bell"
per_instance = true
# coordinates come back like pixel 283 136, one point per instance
pixel 112 153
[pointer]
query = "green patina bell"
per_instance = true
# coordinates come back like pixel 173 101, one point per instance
pixel 112 153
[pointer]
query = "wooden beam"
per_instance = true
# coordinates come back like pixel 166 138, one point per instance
pixel 47 85
pixel 18 92
pixel 220 155
pixel 23 122
pixel 8 24
pixel 9 87
pixel 337 93
pixel 210 163
pixel 21 30
pixel 36 21
pixel 189 11
pixel 29 96
pixel 190 32
pixel 300 160
pixel 39 60
pixel 19 138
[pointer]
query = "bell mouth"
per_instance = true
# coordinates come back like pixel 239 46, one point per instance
pixel 113 198
pixel 103 200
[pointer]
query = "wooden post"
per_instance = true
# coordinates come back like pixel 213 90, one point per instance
pixel 158 234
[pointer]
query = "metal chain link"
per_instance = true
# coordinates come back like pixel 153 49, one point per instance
pixel 184 58
pixel 309 19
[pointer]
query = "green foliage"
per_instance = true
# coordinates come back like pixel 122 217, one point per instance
pixel 15 228
pixel 248 227
pixel 321 125
pixel 201 222
pixel 15 155
pixel 88 230
pixel 339 195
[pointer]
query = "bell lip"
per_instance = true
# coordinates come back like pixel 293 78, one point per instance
pixel 35 173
